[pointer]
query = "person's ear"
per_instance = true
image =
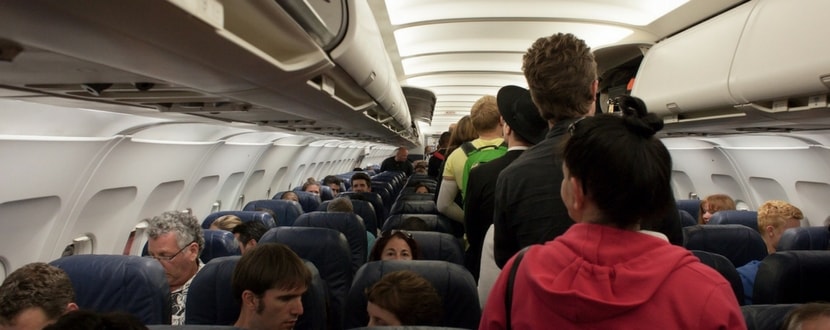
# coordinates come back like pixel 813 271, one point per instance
pixel 71 307
pixel 578 202
pixel 249 299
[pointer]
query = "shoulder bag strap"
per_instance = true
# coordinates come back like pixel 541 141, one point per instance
pixel 508 297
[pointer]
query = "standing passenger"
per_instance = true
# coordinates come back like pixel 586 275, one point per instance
pixel 437 159
pixel 35 296
pixel 562 77
pixel 399 162
pixel 175 240
pixel 603 273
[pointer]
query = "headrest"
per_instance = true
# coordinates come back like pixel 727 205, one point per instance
pixel 412 196
pixel 435 222
pixel 725 268
pixel 107 283
pixel 454 284
pixel 308 202
pixel 421 178
pixel 733 217
pixel 766 317
pixel 218 243
pixel 329 251
pixel 286 211
pixel 690 205
pixel 439 246
pixel 416 207
pixel 686 219
pixel 346 223
pixel 245 216
pixel 804 238
pixel 363 209
pixel 789 277
pixel 738 243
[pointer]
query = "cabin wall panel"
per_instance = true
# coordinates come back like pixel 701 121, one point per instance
pixel 275 158
pixel 814 196
pixel 709 170
pixel 107 212
pixel 26 224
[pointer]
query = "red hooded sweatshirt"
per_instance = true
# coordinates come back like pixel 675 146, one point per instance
pixel 600 277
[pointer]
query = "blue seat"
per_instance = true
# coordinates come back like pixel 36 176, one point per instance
pixel 245 216
pixel 725 268
pixel 686 219
pixel 286 211
pixel 218 243
pixel 107 283
pixel 346 223
pixel 365 210
pixel 454 284
pixel 690 205
pixel 804 238
pixel 329 251
pixel 738 243
pixel 435 222
pixel 414 207
pixel 733 217
pixel 766 317
pixel 373 198
pixel 793 277
pixel 308 202
pixel 210 300
pixel 412 196
pixel 439 246
pixel 191 327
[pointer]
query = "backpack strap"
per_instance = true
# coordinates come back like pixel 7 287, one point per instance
pixel 468 147
pixel 508 296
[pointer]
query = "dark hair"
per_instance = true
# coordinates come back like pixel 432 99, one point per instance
pixel 35 285
pixel 380 244
pixel 796 317
pixel 91 320
pixel 250 230
pixel 560 70
pixel 409 296
pixel 269 266
pixel 622 152
pixel 413 224
pixel 329 179
pixel 362 176
pixel 444 139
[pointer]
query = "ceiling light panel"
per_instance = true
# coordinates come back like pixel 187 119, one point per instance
pixel 504 62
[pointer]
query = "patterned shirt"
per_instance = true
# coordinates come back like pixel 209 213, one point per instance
pixel 179 297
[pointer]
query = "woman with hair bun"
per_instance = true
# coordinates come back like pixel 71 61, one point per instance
pixel 604 272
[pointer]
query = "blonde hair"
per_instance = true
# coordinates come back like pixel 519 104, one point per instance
pixel 775 213
pixel 485 114
pixel 226 222
pixel 718 202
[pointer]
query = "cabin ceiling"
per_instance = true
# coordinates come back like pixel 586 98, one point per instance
pixel 463 49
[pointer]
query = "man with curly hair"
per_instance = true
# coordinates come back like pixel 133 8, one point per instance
pixel 176 240
pixel 35 296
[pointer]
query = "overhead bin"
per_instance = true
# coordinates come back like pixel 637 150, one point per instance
pixel 421 103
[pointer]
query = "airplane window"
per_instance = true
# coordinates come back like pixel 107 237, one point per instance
pixel 83 245
pixel 138 237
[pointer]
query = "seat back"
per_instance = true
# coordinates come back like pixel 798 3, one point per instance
pixel 371 197
pixel 435 222
pixel 346 223
pixel 738 243
pixel 725 268
pixel 454 284
pixel 689 205
pixel 804 238
pixel 733 217
pixel 412 196
pixel 766 317
pixel 790 277
pixel 108 283
pixel 245 216
pixel 329 251
pixel 308 202
pixel 210 299
pixel 414 207
pixel 218 243
pixel 439 246
pixel 686 219
pixel 365 210
pixel 286 211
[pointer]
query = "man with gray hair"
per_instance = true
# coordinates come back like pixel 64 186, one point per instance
pixel 176 240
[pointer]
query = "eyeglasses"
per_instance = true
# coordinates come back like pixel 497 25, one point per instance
pixel 170 258
pixel 572 126
pixel 395 231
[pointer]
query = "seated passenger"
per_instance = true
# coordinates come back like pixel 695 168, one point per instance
pixel 34 296
pixel 90 320
pixel 712 204
pixel 311 186
pixel 289 196
pixel 269 281
pixel 403 298
pixel 248 234
pixel 395 245
pixel 808 316
pixel 602 273
pixel 225 222
pixel 774 217
pixel 175 240
pixel 413 224
pixel 421 188
pixel 420 168
pixel 334 183
pixel 340 204
pixel 361 182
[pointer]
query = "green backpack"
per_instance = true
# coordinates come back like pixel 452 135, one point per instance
pixel 476 156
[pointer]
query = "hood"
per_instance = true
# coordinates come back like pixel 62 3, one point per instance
pixel 600 269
